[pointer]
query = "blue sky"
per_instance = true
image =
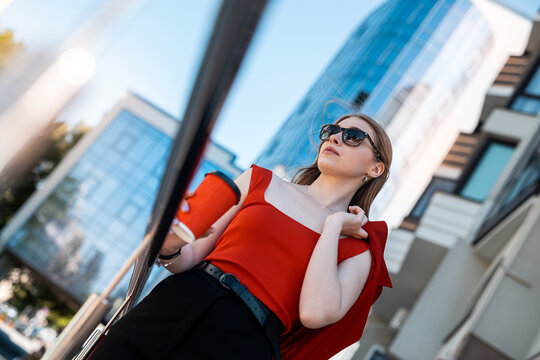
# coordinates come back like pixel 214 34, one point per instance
pixel 156 54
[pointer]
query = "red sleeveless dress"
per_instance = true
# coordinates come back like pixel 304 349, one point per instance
pixel 269 253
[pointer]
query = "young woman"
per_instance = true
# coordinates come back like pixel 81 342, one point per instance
pixel 291 271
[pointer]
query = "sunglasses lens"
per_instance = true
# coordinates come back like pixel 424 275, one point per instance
pixel 353 137
pixel 328 130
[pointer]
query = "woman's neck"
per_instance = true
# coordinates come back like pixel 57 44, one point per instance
pixel 332 192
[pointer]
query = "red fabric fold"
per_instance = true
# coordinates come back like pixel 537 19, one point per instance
pixel 323 343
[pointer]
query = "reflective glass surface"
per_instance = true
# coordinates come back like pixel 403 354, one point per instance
pixel 533 87
pixel 402 52
pixel 526 105
pixel 487 171
pixel 436 184
pixel 528 99
pixel 523 182
pixel 97 215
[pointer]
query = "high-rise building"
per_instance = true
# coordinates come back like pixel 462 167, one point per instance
pixel 411 65
pixel 77 230
pixel 464 263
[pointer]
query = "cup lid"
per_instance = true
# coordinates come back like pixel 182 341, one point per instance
pixel 228 181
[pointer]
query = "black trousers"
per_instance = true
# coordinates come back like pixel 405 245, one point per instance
pixel 187 316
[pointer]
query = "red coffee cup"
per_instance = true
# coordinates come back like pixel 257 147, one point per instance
pixel 216 194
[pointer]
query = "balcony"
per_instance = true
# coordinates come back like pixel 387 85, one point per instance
pixel 413 256
pixel 447 218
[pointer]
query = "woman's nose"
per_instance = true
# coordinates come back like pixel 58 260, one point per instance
pixel 335 138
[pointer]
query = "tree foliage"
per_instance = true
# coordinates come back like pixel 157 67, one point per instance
pixel 29 292
pixel 30 168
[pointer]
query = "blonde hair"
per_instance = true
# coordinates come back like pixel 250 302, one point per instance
pixel 365 195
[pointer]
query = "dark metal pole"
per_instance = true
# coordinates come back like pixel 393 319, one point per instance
pixel 227 46
pixel 232 33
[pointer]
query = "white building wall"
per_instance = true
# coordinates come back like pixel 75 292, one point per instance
pixel 510 320
pixel 440 305
pixel 510 35
pixel 498 306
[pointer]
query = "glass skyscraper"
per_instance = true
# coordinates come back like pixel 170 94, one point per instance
pixel 81 226
pixel 404 66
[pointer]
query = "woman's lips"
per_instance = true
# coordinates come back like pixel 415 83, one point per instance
pixel 331 151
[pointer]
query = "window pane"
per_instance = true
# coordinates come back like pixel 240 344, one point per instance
pixel 487 172
pixel 524 180
pixel 534 84
pixel 437 184
pixel 527 105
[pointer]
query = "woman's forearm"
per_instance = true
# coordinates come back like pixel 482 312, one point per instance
pixel 184 261
pixel 191 254
pixel 320 298
pixel 171 244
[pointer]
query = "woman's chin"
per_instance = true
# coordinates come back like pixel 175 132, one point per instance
pixel 328 166
pixel 332 167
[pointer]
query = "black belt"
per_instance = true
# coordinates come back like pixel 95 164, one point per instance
pixel 270 323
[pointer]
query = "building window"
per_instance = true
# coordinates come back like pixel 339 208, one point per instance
pixel 528 100
pixel 436 184
pixel 526 105
pixel 303 106
pixel 487 171
pixel 524 182
pixel 360 99
pixel 533 87
pixel 361 30
pixel 378 355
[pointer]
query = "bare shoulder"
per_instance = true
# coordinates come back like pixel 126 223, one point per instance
pixel 284 183
pixel 288 188
pixel 243 181
pixel 245 176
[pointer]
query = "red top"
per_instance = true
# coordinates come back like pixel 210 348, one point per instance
pixel 272 264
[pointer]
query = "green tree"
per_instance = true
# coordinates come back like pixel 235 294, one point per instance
pixel 34 164
pixel 27 291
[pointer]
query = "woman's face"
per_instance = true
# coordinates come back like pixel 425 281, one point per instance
pixel 348 161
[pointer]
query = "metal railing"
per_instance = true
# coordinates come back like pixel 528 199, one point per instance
pixel 232 33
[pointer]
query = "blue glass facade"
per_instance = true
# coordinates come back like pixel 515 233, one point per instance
pixel 528 99
pixel 404 51
pixel 524 181
pixel 486 173
pixel 79 237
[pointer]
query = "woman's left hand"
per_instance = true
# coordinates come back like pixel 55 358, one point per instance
pixel 350 223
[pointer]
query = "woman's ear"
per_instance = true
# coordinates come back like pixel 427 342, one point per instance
pixel 376 169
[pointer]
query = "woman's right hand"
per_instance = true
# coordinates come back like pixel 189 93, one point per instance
pixel 350 223
pixel 173 242
pixel 184 205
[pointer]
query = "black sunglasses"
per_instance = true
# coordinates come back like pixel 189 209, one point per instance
pixel 352 137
